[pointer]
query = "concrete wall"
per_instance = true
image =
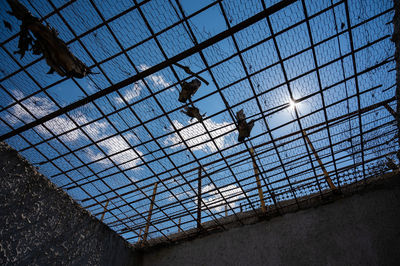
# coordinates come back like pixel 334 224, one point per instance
pixel 40 225
pixel 363 229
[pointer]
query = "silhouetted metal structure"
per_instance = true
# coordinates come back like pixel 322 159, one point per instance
pixel 334 59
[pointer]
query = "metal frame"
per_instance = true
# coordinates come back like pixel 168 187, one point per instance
pixel 259 170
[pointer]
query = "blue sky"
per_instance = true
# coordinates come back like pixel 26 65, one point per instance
pixel 138 152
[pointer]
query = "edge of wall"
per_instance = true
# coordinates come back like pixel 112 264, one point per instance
pixel 42 224
pixel 284 207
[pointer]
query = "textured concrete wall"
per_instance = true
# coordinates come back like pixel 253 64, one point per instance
pixel 40 225
pixel 363 229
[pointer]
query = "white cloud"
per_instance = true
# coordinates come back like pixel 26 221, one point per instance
pixel 198 134
pixel 92 155
pixel 180 195
pixel 131 136
pixel 131 93
pixel 18 94
pixel 60 125
pixel 158 80
pixel 126 159
pixel 38 106
pixel 92 87
pixel 17 112
pixel 95 130
pixel 143 67
pixel 231 193
pixel 116 144
pixel 41 106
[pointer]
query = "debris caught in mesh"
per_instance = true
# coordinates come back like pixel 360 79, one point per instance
pixel 43 40
pixel 244 128
pixel 193 112
pixel 188 90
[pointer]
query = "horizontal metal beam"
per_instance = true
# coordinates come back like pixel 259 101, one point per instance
pixel 154 69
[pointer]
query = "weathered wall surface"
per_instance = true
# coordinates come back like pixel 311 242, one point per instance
pixel 40 225
pixel 363 229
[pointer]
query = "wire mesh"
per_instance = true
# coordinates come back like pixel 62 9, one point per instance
pixel 310 68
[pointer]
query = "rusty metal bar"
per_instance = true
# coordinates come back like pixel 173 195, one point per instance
pixel 199 200
pixel 140 235
pixel 320 85
pixel 105 209
pixel 300 173
pixel 268 113
pixel 328 179
pixel 310 179
pixel 146 230
pixel 331 121
pixel 256 173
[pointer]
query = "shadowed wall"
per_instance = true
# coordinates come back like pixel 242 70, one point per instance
pixel 363 229
pixel 41 225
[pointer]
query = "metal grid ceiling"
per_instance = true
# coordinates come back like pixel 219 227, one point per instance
pixel 127 132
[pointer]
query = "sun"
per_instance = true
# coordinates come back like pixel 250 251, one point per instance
pixel 292 103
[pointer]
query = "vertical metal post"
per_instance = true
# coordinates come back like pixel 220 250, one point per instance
pixel 199 200
pixel 105 209
pixel 260 192
pixel 140 235
pixel 146 231
pixel 327 178
pixel 226 210
pixel 179 225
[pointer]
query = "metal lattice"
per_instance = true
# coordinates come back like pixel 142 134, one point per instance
pixel 317 77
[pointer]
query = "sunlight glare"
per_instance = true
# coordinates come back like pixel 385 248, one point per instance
pixel 292 104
